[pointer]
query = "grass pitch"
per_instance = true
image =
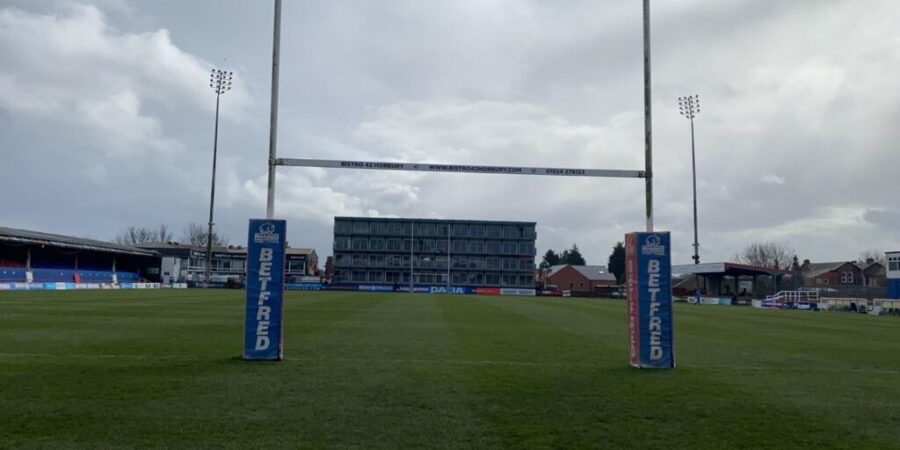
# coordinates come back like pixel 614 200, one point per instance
pixel 150 369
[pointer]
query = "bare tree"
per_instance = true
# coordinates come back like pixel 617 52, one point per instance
pixel 164 233
pixel 771 254
pixel 873 254
pixel 195 235
pixel 135 235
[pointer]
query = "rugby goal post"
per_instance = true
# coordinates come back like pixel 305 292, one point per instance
pixel 266 237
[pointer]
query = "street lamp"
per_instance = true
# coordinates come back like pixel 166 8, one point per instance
pixel 689 107
pixel 220 82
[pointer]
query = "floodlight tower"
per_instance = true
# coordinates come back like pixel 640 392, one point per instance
pixel 220 82
pixel 689 107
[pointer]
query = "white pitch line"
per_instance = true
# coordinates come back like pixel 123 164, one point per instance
pixel 473 362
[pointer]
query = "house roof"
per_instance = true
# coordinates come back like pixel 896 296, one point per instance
pixel 815 269
pixel 19 236
pixel 866 265
pixel 593 273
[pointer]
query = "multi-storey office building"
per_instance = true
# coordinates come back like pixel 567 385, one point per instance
pixel 471 253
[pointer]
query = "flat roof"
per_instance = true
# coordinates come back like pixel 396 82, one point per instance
pixel 165 246
pixel 726 269
pixel 19 236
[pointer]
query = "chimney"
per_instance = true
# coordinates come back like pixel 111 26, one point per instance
pixel 870 260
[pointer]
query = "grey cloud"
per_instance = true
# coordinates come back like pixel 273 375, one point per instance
pixel 795 141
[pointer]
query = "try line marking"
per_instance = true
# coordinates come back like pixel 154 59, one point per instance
pixel 460 362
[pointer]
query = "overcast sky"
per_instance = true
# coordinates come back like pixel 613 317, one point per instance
pixel 106 117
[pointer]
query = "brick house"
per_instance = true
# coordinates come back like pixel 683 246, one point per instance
pixel 584 280
pixel 874 274
pixel 831 274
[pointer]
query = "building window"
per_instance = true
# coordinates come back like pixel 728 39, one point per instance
pixel 376 244
pixel 394 245
pixel 342 227
pixel 342 243
pixel 360 227
pixel 492 247
pixel 358 276
pixel 847 277
pixel 492 231
pixel 894 263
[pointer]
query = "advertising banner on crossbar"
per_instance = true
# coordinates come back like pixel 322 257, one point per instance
pixel 263 320
pixel 648 279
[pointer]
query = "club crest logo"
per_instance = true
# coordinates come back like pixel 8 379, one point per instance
pixel 653 246
pixel 266 234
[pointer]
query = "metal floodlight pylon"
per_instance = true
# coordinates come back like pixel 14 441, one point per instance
pixel 220 82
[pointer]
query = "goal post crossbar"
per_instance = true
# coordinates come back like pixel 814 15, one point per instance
pixel 459 168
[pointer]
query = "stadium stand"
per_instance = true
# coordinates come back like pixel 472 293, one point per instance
pixel 32 256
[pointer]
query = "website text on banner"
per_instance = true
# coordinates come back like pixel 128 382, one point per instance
pixel 263 320
pixel 648 279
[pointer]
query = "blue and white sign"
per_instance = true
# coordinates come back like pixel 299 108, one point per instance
pixel 648 269
pixel 263 321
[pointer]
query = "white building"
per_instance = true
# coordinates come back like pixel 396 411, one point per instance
pixel 892 270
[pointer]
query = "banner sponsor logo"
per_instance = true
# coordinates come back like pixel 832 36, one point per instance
pixel 303 286
pixel 648 270
pixel 487 291
pixel 263 319
pixel 450 290
pixel 376 288
pixel 519 292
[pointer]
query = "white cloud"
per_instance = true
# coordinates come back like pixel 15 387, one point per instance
pixel 73 72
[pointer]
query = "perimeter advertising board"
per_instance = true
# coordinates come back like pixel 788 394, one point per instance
pixel 648 273
pixel 263 320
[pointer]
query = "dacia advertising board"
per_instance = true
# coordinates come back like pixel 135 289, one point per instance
pixel 263 320
pixel 648 279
